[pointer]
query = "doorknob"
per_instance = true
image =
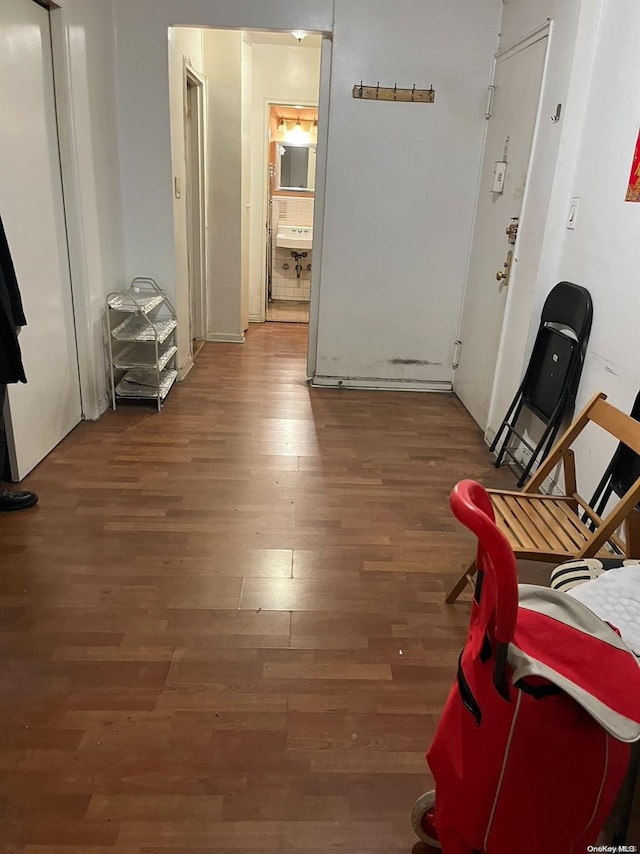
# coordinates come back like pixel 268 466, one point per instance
pixel 503 275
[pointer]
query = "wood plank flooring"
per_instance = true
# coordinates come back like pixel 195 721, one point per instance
pixel 223 628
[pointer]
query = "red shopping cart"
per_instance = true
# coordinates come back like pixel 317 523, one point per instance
pixel 533 742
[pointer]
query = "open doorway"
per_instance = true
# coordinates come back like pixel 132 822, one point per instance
pixel 223 84
pixel 195 170
pixel 292 139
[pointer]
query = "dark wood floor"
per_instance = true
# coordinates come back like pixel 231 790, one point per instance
pixel 223 629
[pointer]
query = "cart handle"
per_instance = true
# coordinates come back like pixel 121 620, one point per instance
pixel 471 505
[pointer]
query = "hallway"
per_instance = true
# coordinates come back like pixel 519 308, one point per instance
pixel 223 626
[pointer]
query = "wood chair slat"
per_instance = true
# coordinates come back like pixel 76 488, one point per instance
pixel 576 530
pixel 519 536
pixel 535 536
pixel 543 523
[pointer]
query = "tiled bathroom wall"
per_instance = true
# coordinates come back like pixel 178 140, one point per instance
pixel 294 210
pixel 285 284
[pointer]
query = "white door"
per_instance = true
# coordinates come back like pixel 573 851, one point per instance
pixel 518 79
pixel 42 412
pixel 194 153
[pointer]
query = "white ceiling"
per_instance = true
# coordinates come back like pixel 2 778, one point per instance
pixel 285 39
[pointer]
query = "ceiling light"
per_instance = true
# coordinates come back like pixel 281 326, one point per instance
pixel 299 34
pixel 297 134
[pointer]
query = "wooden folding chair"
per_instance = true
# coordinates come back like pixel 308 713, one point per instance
pixel 564 527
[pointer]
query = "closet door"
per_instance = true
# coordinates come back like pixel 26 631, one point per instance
pixel 40 414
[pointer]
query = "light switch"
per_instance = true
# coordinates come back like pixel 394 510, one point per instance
pixel 573 212
pixel 499 174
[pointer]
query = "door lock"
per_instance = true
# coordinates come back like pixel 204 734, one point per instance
pixel 502 276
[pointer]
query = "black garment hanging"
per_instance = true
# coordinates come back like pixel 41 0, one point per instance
pixel 11 317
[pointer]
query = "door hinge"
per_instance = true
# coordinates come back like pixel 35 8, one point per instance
pixel 456 353
pixel 489 112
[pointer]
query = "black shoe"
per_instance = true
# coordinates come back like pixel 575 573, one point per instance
pixel 16 500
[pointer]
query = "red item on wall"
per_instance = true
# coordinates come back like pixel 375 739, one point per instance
pixel 633 191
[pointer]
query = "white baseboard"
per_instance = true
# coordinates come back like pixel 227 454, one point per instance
pixel 256 318
pixel 103 403
pixel 184 370
pixel 376 384
pixel 226 337
pixel 490 435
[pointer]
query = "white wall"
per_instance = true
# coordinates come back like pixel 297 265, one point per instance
pixel 602 253
pixel 401 181
pixel 183 42
pixel 223 56
pixel 84 38
pixel 281 74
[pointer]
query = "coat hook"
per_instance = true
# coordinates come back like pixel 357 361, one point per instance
pixel 361 88
pixel 395 91
pixel 377 88
pixel 413 92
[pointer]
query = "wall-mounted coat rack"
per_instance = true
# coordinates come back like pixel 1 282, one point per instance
pixel 392 93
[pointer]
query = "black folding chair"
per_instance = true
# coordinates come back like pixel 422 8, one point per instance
pixel 551 380
pixel 622 472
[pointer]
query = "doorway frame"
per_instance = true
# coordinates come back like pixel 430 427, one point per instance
pixel 544 30
pixel 268 103
pixel 322 155
pixel 93 404
pixel 322 149
pixel 192 78
pixel 510 308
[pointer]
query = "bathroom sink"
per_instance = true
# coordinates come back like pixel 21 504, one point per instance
pixel 294 237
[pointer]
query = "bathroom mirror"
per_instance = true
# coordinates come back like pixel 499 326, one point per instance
pixel 296 167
